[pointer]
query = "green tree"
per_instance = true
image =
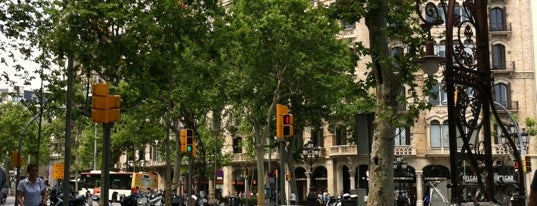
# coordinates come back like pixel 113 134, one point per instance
pixel 389 23
pixel 282 52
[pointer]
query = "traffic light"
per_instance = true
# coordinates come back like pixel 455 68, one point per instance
pixel 105 108
pixel 280 111
pixel 187 141
pixel 16 159
pixel 527 164
pixel 287 125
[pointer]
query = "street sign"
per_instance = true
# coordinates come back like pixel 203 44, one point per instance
pixel 57 171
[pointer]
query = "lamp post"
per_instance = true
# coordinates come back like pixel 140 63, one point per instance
pixel 311 154
pixel 400 167
pixel 468 83
pixel 19 153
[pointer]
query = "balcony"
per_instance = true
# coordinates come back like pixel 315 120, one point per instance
pixel 402 150
pixel 500 30
pixel 343 150
pixel 512 106
pixel 503 68
pixel 241 157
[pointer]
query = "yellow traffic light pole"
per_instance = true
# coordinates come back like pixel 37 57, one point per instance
pixel 105 109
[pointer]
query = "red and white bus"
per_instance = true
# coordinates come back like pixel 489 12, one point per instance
pixel 120 182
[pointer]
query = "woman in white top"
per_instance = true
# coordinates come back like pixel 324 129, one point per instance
pixel 31 191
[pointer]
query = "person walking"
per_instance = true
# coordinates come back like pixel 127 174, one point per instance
pixel 293 198
pixel 31 191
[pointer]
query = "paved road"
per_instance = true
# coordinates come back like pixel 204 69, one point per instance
pixel 11 201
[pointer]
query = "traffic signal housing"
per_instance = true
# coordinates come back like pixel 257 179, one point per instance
pixel 284 122
pixel 280 111
pixel 527 164
pixel 16 159
pixel 287 125
pixel 186 140
pixel 105 108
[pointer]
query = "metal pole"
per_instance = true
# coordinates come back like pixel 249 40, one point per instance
pixel 189 183
pixel 95 146
pixel 269 192
pixel 517 130
pixel 106 170
pixel 40 118
pixel 19 154
pixel 282 174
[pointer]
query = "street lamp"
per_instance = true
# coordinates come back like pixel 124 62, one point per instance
pixel 311 154
pixel 19 153
pixel 468 83
pixel 400 167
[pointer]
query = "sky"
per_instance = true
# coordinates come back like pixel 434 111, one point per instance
pixel 9 68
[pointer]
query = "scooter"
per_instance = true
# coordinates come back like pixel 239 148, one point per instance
pixel 3 196
pixel 156 200
pixel 56 199
pixel 142 200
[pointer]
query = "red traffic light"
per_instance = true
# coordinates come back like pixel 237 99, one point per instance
pixel 286 119
pixel 516 165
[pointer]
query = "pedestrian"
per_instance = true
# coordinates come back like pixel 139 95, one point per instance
pixel 31 191
pixel 3 190
pixel 533 191
pixel 293 198
pixel 426 200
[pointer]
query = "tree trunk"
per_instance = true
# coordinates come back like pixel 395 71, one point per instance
pixel 260 156
pixel 381 190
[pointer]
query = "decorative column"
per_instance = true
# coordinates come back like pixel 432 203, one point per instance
pixel 353 180
pixel 419 188
pixel 308 181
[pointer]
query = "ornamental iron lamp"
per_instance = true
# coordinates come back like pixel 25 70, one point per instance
pixel 468 83
pixel 400 166
pixel 311 154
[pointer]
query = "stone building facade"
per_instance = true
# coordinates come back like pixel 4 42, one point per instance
pixel 343 168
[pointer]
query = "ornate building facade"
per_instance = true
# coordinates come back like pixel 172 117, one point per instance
pixel 423 150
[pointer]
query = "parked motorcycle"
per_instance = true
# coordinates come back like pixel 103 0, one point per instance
pixel 156 200
pixel 56 199
pixel 3 196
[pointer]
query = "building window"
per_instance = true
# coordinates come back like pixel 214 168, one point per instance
pixel 402 136
pixel 442 12
pixel 341 136
pixel 439 134
pixel 438 95
pixel 460 14
pixel 237 144
pixel 347 25
pixel 501 94
pixel 318 137
pixel 498 57
pixel 397 54
pixel 442 49
pixel 497 20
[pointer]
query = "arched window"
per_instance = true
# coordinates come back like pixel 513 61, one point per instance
pixel 497 20
pixel 397 53
pixel 498 57
pixel 501 94
pixel 402 136
pixel 439 134
pixel 438 95
pixel 237 144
